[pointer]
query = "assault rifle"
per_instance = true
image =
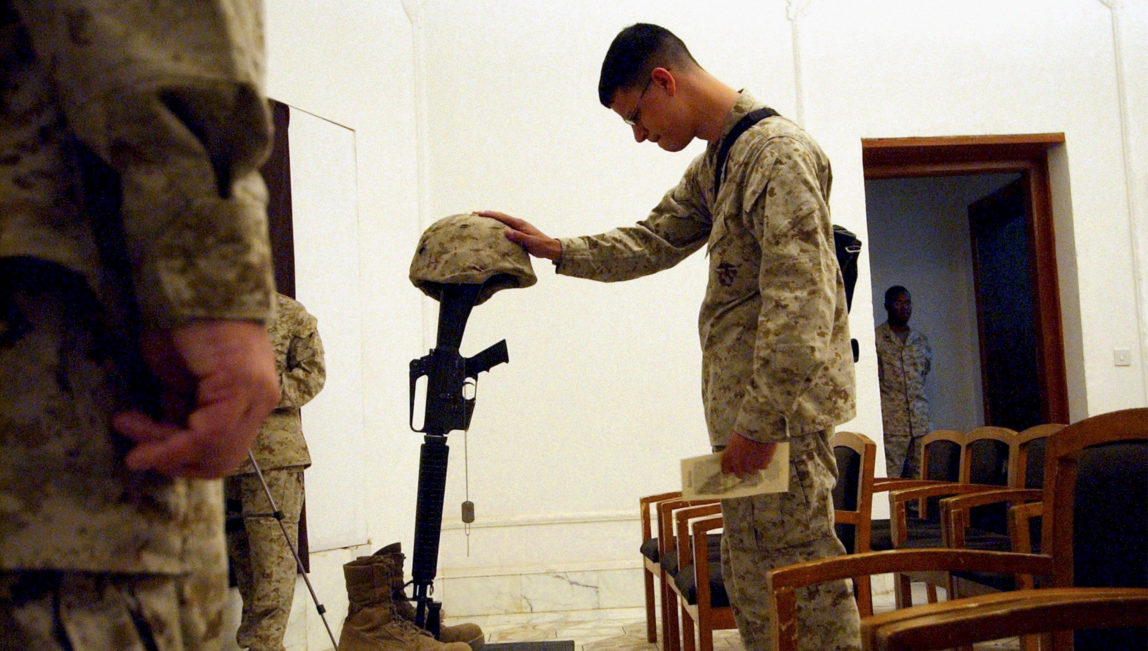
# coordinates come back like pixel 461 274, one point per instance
pixel 448 408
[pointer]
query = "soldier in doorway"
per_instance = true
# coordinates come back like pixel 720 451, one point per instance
pixel 903 360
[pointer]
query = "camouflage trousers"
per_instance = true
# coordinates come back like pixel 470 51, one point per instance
pixel 768 531
pixel 49 610
pixel 902 454
pixel 264 566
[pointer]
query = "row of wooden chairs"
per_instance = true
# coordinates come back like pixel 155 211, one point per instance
pixel 963 482
pixel 692 592
pixel 954 464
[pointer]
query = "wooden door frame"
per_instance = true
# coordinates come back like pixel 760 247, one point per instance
pixel 276 171
pixel 1027 154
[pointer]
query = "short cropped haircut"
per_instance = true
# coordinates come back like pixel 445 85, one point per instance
pixel 893 292
pixel 634 53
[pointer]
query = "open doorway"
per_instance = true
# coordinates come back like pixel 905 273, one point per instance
pixel 972 269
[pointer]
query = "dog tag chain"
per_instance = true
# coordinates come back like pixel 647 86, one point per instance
pixel 467 505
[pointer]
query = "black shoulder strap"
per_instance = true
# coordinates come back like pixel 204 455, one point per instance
pixel 746 121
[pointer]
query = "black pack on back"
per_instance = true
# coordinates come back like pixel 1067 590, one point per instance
pixel 846 244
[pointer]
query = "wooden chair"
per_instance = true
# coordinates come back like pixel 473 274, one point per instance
pixel 670 564
pixel 940 463
pixel 651 568
pixel 984 464
pixel 941 452
pixel 1093 522
pixel 1027 480
pixel 856 456
pixel 784 582
pixel 699 585
pixel 1095 470
pixel 1005 615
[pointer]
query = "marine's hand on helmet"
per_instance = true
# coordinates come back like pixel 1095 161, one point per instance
pixel 537 243
pixel 469 249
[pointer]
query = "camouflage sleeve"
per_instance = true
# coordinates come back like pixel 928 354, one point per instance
pixel 797 279
pixel 677 226
pixel 304 372
pixel 176 109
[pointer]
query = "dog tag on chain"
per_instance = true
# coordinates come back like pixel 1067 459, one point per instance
pixel 467 518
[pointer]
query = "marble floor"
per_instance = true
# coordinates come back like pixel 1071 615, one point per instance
pixel 625 629
pixel 621 629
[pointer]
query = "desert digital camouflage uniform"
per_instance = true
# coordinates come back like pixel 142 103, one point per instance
pixel 264 566
pixel 776 358
pixel 901 371
pixel 129 199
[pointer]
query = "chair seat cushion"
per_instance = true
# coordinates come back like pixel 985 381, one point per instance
pixel 987 540
pixel 687 585
pixel 924 542
pixel 926 533
pixel 999 582
pixel 993 542
pixel 669 561
pixel 880 537
pixel 649 549
pixel 846 533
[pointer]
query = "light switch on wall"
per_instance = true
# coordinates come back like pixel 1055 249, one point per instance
pixel 1122 357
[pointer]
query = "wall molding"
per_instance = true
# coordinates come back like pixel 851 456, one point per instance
pixel 795 10
pixel 461 572
pixel 1136 222
pixel 544 520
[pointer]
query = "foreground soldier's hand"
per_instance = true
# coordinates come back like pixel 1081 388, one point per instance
pixel 537 243
pixel 218 385
pixel 745 456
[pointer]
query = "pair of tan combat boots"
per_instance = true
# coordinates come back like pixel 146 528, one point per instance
pixel 381 618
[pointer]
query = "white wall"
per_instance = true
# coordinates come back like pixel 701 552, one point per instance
pixel 457 106
pixel 352 64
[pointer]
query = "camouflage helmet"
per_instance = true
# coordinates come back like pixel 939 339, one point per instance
pixel 469 249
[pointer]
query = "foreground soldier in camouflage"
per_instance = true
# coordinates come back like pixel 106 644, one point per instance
pixel 904 358
pixel 264 565
pixel 135 278
pixel 777 364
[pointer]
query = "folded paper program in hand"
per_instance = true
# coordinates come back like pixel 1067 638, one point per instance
pixel 702 477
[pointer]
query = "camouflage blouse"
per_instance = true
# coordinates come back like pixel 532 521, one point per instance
pixel 302 373
pixel 776 358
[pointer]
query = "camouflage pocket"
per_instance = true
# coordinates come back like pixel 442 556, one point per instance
pixel 797 517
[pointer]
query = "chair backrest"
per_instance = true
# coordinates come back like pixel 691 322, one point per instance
pixel 856 456
pixel 647 515
pixel 942 452
pixel 988 460
pixel 1028 460
pixel 1005 614
pixel 988 451
pixel 1095 498
pixel 941 455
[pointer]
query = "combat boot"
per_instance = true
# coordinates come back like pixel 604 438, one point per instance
pixel 469 633
pixel 372 623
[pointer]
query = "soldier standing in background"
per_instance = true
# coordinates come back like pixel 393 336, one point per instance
pixel 776 359
pixel 903 360
pixel 264 565
pixel 135 282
